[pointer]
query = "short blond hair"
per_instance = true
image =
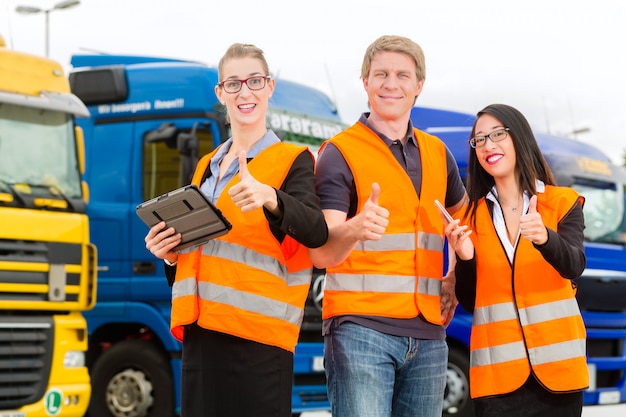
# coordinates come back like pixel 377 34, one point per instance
pixel 394 43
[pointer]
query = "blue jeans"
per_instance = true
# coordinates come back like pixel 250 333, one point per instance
pixel 372 374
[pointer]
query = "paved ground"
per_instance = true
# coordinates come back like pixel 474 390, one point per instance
pixel 589 411
pixel 605 411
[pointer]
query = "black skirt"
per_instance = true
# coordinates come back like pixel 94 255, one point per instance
pixel 227 376
pixel 531 400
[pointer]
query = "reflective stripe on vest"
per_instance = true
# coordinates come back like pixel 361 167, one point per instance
pixel 402 241
pixel 526 315
pixel 400 275
pixel 245 301
pixel 540 355
pixel 245 256
pixel 398 283
pixel 529 315
pixel 250 302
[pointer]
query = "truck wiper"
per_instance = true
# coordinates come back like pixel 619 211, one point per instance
pixel 54 190
pixel 11 187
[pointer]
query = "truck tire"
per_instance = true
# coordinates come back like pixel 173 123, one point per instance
pixel 456 402
pixel 131 379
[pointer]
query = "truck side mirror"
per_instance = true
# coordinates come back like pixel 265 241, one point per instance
pixel 80 148
pixel 85 188
pixel 164 133
pixel 187 145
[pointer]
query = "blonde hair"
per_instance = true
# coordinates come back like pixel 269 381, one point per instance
pixel 242 50
pixel 394 43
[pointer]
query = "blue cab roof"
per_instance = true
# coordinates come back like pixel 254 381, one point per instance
pixel 194 82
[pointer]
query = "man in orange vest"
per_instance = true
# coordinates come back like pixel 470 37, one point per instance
pixel 386 302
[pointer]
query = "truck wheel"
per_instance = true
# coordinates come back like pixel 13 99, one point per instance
pixel 456 402
pixel 131 379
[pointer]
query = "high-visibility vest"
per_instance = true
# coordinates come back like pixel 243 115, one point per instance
pixel 400 275
pixel 526 315
pixel 246 283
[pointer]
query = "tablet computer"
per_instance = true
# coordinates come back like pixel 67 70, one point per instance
pixel 189 212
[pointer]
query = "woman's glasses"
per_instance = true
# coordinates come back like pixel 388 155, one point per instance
pixel 495 136
pixel 253 83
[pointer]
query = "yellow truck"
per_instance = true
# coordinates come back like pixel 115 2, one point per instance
pixel 47 263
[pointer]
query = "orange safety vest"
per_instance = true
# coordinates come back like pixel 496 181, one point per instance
pixel 246 283
pixel 400 275
pixel 526 315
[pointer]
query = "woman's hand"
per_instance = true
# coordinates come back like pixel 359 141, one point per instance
pixel 250 194
pixel 458 238
pixel 160 242
pixel 531 224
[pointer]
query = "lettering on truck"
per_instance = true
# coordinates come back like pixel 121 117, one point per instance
pixel 176 103
pixel 302 125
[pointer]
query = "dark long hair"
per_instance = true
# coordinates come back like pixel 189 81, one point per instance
pixel 530 165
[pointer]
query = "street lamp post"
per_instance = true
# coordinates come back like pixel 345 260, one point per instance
pixel 580 130
pixel 35 10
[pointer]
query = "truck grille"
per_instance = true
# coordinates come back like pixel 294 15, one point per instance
pixel 601 291
pixel 607 348
pixel 41 272
pixel 25 350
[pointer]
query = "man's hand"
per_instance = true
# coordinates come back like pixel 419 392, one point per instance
pixel 372 221
pixel 448 298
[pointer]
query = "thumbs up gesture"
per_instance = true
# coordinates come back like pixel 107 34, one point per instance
pixel 372 221
pixel 531 224
pixel 249 194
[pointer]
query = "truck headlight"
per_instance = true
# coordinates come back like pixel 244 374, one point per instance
pixel 74 359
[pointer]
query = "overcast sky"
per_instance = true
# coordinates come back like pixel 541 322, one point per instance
pixel 561 62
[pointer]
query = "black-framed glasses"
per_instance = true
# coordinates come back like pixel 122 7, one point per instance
pixel 254 83
pixel 495 136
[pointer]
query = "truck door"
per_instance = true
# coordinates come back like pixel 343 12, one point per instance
pixel 167 153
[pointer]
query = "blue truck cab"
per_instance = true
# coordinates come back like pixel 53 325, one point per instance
pixel 601 291
pixel 151 119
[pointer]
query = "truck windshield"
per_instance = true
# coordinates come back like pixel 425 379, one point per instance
pixel 37 147
pixel 302 129
pixel 604 211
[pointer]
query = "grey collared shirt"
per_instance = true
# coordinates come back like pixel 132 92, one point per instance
pixel 213 188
